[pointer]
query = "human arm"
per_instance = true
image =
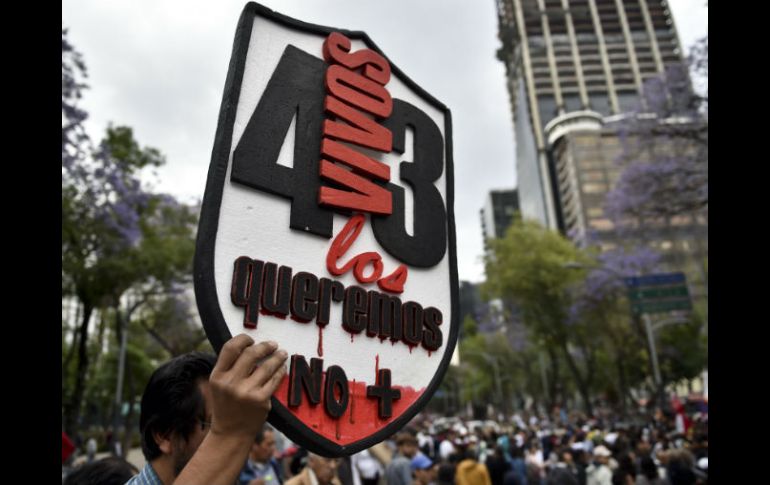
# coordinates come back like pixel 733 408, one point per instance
pixel 240 395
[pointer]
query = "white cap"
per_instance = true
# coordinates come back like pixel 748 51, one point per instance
pixel 602 451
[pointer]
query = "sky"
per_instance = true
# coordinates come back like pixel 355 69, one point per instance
pixel 159 66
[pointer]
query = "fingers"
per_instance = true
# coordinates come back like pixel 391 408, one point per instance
pixel 274 367
pixel 248 359
pixel 230 352
pixel 275 380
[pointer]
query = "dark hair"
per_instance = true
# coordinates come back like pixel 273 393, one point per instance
pixel 260 437
pixel 446 474
pixel 107 471
pixel 648 468
pixel 172 401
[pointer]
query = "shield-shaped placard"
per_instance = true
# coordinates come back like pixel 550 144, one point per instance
pixel 327 226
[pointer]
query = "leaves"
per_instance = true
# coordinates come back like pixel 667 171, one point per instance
pixel 665 146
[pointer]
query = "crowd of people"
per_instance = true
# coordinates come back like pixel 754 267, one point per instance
pixel 524 450
pixel 203 421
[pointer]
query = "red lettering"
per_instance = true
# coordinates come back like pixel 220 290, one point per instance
pixel 336 48
pixel 362 131
pixel 394 282
pixel 368 196
pixel 358 91
pixel 359 162
pixel 342 243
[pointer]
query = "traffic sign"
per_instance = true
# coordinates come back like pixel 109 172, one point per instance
pixel 660 306
pixel 655 280
pixel 656 293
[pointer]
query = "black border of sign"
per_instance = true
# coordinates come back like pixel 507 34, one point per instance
pixel 205 288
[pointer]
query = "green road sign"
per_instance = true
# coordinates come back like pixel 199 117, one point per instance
pixel 657 293
pixel 660 306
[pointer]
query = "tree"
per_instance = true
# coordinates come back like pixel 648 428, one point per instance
pixel 665 146
pixel 172 323
pixel 601 304
pixel 117 235
pixel 530 266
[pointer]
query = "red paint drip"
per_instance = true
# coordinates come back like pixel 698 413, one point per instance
pixel 410 348
pixel 377 369
pixel 430 352
pixel 337 434
pixel 351 337
pixel 367 420
pixel 320 348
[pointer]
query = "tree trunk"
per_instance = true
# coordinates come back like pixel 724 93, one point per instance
pixel 622 384
pixel 554 380
pixel 65 375
pixel 128 423
pixel 581 383
pixel 72 409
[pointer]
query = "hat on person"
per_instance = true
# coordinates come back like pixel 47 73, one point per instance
pixel 602 450
pixel 421 462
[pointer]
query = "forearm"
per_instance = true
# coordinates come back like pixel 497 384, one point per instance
pixel 218 461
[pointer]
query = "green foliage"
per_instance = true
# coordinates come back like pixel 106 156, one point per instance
pixel 470 328
pixel 682 350
pixel 124 147
pixel 530 266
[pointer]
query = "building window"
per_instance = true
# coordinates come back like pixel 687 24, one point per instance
pixel 595 212
pixel 594 188
pixel 681 220
pixel 601 224
pixel 600 103
pixel 627 101
pixel 592 176
pixel 547 107
pixel 572 103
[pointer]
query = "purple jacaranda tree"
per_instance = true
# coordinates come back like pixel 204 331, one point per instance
pixel 116 233
pixel 600 307
pixel 665 146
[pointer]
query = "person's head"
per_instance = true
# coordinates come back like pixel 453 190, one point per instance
pixel 325 469
pixel 446 474
pixel 176 412
pixel 263 447
pixel 107 471
pixel 602 454
pixel 425 471
pixel 565 456
pixel 407 444
pixel 648 468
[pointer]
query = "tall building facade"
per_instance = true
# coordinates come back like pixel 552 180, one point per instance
pixel 570 64
pixel 574 67
pixel 497 213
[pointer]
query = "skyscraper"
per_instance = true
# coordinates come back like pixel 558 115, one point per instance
pixel 497 213
pixel 575 69
pixel 570 65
